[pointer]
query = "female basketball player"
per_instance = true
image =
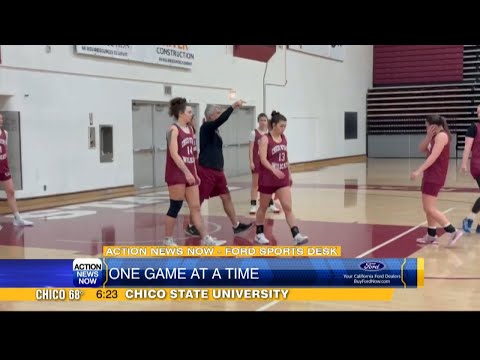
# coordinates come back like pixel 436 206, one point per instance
pixel 181 173
pixel 6 179
pixel 472 144
pixel 254 139
pixel 275 178
pixel 437 146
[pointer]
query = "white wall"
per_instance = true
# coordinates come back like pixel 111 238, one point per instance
pixel 56 91
pixel 317 94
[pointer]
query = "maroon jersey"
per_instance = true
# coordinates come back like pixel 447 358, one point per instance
pixel 256 157
pixel 4 168
pixel 437 172
pixel 278 157
pixel 475 160
pixel 185 143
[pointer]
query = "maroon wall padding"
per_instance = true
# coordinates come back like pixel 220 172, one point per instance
pixel 417 64
pixel 261 53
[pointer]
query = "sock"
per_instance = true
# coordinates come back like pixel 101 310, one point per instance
pixel 432 231
pixel 17 215
pixel 253 202
pixel 259 229
pixel 294 231
pixel 271 202
pixel 450 228
pixel 471 216
pixel 236 226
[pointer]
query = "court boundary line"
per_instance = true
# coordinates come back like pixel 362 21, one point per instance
pixel 387 242
pixel 373 187
pixel 86 204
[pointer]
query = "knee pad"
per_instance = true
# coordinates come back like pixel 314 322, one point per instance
pixel 174 209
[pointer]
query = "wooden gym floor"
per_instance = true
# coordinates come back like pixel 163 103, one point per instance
pixel 368 206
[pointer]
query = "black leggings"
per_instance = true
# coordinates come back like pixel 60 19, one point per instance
pixel 476 206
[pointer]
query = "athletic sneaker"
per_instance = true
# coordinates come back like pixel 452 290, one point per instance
pixel 253 209
pixel 192 230
pixel 241 227
pixel 22 222
pixel 427 239
pixel 274 209
pixel 467 225
pixel 168 241
pixel 210 241
pixel 261 239
pixel 300 239
pixel 454 237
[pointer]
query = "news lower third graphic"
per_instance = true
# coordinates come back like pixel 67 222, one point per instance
pixel 210 272
pixel 241 273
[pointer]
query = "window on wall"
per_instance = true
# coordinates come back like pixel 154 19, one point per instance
pixel 351 131
pixel 106 143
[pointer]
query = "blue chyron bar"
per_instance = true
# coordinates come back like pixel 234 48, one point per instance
pixel 214 272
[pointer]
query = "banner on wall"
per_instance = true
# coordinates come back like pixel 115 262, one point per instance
pixel 181 56
pixel 335 52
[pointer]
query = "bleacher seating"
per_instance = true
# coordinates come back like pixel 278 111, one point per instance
pixel 402 109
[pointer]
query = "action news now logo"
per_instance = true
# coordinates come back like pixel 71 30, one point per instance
pixel 87 272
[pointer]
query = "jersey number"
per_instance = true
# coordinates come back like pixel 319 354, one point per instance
pixel 281 157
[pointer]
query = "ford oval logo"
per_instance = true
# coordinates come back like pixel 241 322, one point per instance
pixel 372 266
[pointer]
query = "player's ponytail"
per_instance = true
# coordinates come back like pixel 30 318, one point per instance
pixel 445 126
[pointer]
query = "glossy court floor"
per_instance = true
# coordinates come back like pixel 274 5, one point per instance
pixel 370 208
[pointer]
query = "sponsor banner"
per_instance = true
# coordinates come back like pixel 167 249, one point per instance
pixel 181 56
